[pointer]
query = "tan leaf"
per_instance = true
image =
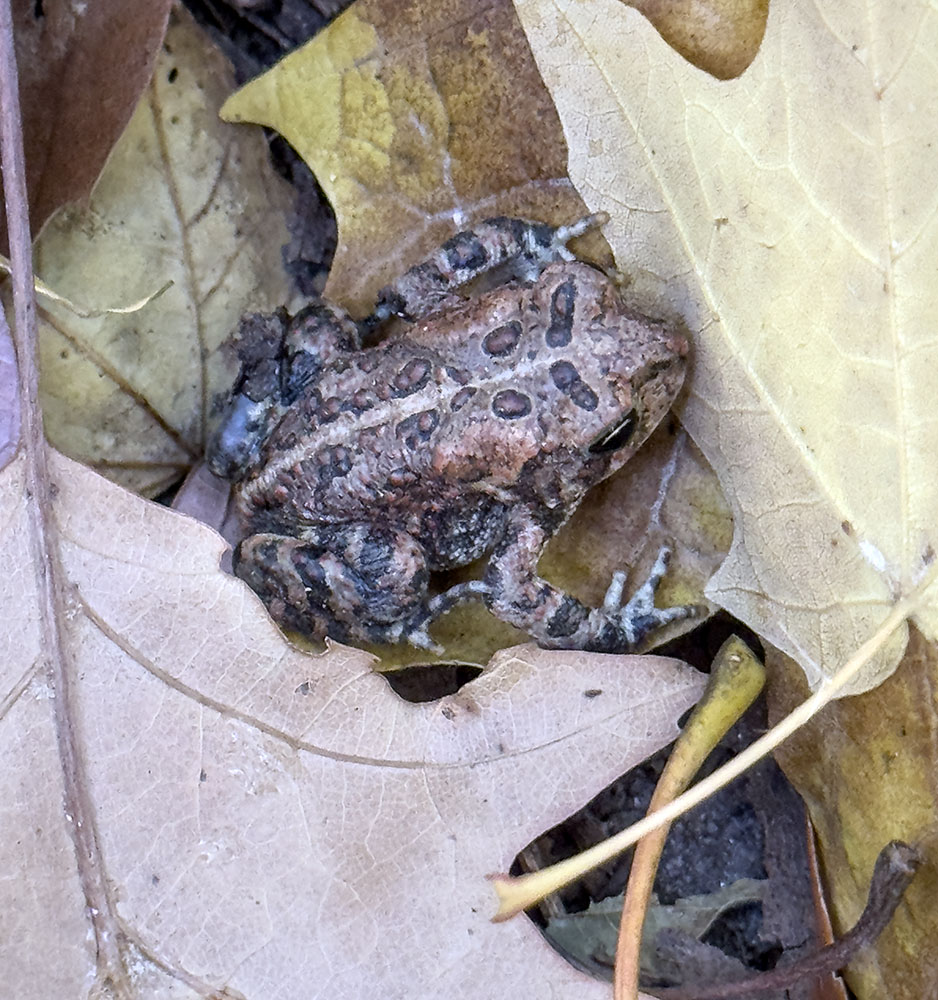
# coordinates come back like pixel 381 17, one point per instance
pixel 259 819
pixel 782 216
pixel 183 198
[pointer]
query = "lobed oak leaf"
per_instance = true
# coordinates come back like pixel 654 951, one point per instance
pixel 257 819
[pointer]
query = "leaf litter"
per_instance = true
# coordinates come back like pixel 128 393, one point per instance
pixel 187 973
pixel 254 818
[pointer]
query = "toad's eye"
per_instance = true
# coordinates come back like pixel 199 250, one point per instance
pixel 615 435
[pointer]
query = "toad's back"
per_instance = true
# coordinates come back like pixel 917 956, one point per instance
pixel 466 401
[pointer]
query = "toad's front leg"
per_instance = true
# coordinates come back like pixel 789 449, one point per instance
pixel 517 595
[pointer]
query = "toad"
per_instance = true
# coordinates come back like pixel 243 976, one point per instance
pixel 473 428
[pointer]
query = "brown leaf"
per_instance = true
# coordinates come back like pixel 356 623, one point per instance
pixel 418 119
pixel 81 69
pixel 867 769
pixel 720 36
pixel 264 819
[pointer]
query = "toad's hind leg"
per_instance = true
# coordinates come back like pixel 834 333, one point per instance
pixel 557 620
pixel 354 582
pixel 522 247
pixel 279 357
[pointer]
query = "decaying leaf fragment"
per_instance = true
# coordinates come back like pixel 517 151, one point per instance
pixel 780 215
pixel 183 198
pixel 81 69
pixel 866 768
pixel 720 36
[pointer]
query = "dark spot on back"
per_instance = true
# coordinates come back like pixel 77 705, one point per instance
pixel 462 397
pixel 401 477
pixel 502 340
pixel 564 375
pixel 458 375
pixel 412 377
pixel 511 405
pixel 333 463
pixel 465 252
pixel 417 428
pixel 330 409
pixel 568 381
pixel 584 397
pixel 562 302
pixel 360 402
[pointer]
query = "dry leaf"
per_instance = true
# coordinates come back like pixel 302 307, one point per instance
pixel 81 69
pixel 411 114
pixel 591 934
pixel 873 782
pixel 186 198
pixel 261 820
pixel 781 216
pixel 720 36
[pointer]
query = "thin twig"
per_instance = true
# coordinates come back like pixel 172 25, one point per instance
pixel 736 679
pixel 86 312
pixel 55 656
pixel 518 892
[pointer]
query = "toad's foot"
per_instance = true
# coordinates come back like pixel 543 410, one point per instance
pixel 563 234
pixel 416 633
pixel 639 616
